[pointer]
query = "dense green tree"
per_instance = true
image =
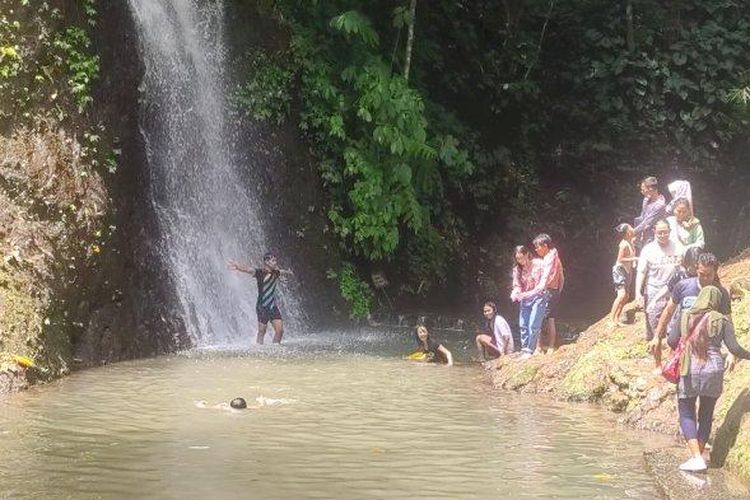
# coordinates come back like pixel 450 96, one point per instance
pixel 446 128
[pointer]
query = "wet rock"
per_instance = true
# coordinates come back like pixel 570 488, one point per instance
pixel 716 484
pixel 615 400
pixel 522 378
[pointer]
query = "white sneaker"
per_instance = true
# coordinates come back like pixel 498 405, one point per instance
pixel 695 464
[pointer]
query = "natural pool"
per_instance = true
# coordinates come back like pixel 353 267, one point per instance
pixel 345 417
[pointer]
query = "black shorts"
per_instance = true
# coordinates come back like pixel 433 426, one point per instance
pixel 553 302
pixel 266 314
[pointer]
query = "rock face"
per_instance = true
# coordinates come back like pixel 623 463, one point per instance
pixel 610 366
pixel 81 282
pixel 712 485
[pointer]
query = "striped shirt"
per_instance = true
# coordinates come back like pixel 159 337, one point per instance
pixel 267 281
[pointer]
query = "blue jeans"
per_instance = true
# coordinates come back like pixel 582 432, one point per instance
pixel 530 317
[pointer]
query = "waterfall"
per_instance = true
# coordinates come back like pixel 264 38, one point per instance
pixel 205 214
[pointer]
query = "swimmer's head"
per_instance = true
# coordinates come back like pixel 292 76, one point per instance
pixel 238 404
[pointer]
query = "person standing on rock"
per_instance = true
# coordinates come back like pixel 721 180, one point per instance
pixel 622 271
pixel 685 292
pixel 551 283
pixel 652 210
pixel 704 328
pixel 532 302
pixel 657 262
pixel 266 308
pixel 497 336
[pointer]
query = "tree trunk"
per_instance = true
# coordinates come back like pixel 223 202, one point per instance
pixel 410 39
pixel 629 24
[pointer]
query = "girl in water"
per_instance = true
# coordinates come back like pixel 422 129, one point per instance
pixel 622 271
pixel 434 350
pixel 532 305
pixel 499 338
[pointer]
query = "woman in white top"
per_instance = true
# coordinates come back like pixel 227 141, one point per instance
pixel 684 227
pixel 497 336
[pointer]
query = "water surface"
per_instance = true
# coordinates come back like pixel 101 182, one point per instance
pixel 345 417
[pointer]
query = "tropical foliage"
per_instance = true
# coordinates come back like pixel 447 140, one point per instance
pixel 517 115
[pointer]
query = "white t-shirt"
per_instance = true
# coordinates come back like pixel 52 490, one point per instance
pixel 658 263
pixel 503 335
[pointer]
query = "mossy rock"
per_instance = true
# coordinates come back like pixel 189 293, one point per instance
pixel 738 458
pixel 588 380
pixel 522 378
pixel 20 320
pixel 25 329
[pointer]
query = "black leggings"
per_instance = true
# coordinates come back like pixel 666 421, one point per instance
pixel 699 428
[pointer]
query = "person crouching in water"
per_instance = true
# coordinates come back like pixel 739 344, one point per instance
pixel 499 338
pixel 434 350
pixel 532 303
pixel 622 271
pixel 704 329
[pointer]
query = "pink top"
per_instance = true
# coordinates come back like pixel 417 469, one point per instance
pixel 552 278
pixel 526 278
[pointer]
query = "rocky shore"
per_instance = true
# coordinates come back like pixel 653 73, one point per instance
pixel 610 366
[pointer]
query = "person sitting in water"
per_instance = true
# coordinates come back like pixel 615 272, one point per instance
pixel 497 337
pixel 433 350
pixel 266 307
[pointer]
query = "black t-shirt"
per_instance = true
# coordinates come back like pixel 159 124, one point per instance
pixel 433 351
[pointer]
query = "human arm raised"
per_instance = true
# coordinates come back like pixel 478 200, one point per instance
pixel 235 266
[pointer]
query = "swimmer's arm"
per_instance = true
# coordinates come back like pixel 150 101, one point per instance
pixel 447 354
pixel 234 266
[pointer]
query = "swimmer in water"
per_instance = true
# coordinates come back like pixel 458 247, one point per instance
pixel 235 404
pixel 435 351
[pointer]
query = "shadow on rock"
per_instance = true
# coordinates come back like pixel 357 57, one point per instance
pixel 726 435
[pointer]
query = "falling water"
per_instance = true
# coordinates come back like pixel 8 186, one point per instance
pixel 206 215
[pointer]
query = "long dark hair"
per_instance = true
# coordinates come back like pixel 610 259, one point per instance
pixel 416 335
pixel 699 343
pixel 522 249
pixel 491 322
